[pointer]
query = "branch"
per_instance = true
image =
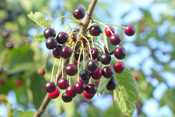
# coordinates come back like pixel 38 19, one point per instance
pixel 82 32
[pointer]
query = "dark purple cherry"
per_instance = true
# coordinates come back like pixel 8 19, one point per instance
pixel 91 89
pixel 50 87
pixel 97 74
pixel 106 50
pixel 105 58
pixel 107 71
pixel 115 39
pixel 79 13
pixel 66 98
pixel 1 71
pixel 84 81
pixel 70 91
pixel 77 54
pixel 111 85
pixel 76 63
pixel 62 37
pixel 85 74
pixel 94 52
pixel 71 69
pixel 79 87
pixel 51 43
pixel 5 33
pixel 66 52
pixel 57 51
pixel 63 83
pixel 130 30
pixel 119 67
pixel 95 30
pixel 49 32
pixel 120 52
pixel 92 65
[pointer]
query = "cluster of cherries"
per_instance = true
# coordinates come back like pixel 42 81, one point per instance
pixel 92 67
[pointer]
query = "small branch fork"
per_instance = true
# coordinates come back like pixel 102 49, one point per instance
pixel 82 32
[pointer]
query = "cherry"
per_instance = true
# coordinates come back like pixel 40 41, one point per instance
pixel 51 43
pixel 106 50
pixel 88 96
pixel 119 67
pixel 41 71
pixel 76 63
pixel 107 71
pixel 57 51
pixel 71 69
pixel 66 98
pixel 1 71
pixel 92 65
pixel 63 83
pixel 91 89
pixel 62 37
pixel 111 85
pixel 77 54
pixel 120 52
pixel 108 31
pixel 18 83
pixel 55 94
pixel 9 45
pixel 97 74
pixel 49 32
pixel 70 91
pixel 79 13
pixel 79 87
pixel 84 81
pixel 85 74
pixel 94 52
pixel 115 39
pixel 5 33
pixel 130 30
pixel 105 58
pixel 2 81
pixel 66 52
pixel 95 30
pixel 136 76
pixel 50 87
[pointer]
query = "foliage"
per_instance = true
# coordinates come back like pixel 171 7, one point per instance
pixel 20 63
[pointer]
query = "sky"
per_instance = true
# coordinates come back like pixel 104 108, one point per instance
pixel 151 106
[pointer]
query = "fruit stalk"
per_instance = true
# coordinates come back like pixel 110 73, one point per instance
pixel 82 32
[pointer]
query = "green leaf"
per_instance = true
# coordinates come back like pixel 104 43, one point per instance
pixel 109 46
pixel 126 92
pixel 16 113
pixel 27 114
pixel 102 85
pixel 40 37
pixel 40 19
pixel 20 59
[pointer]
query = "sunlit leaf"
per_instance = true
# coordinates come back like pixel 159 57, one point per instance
pixel 126 92
pixel 40 19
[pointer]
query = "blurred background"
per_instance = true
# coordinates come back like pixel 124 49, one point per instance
pixel 150 56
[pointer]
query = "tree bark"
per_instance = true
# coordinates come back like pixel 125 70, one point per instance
pixel 82 32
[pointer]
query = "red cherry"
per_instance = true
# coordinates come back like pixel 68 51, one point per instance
pixel 88 96
pixel 119 67
pixel 130 30
pixel 55 94
pixel 108 31
pixel 18 83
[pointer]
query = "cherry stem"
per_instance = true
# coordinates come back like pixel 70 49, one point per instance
pixel 88 45
pixel 115 25
pixel 92 42
pixel 83 55
pixel 79 64
pixel 64 25
pixel 53 68
pixel 65 17
pixel 46 59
